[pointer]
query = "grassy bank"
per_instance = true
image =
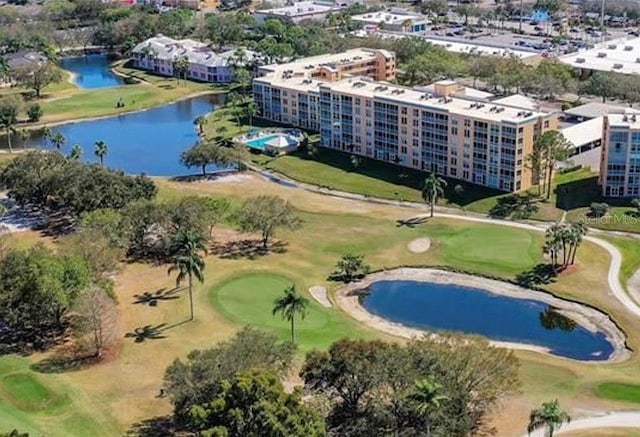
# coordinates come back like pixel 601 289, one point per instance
pixel 65 101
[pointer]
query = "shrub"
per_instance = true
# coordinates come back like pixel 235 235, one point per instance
pixel 598 209
pixel 34 112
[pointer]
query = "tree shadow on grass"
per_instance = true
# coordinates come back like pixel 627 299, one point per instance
pixel 26 341
pixel 147 332
pixel 63 363
pixel 153 298
pixel 250 249
pixel 150 332
pixel 159 426
pixel 411 222
pixel 541 274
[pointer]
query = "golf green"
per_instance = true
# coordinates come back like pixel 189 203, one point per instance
pixel 248 300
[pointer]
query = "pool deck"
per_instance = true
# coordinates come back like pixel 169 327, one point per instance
pixel 347 298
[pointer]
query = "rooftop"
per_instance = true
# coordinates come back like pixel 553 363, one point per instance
pixel 629 120
pixel 619 55
pixel 390 16
pixel 304 67
pixel 301 9
pixel 197 52
pixel 595 109
pixel 519 101
pixel 386 91
pixel 24 58
pixel 584 133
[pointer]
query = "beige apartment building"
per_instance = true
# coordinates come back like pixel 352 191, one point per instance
pixel 355 110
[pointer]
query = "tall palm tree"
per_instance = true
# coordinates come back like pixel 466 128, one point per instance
pixel 187 245
pixel 100 149
pixel 549 416
pixel 24 135
pixel 553 243
pixel 5 71
pixel 46 134
pixel 427 398
pixel 577 231
pixel 58 140
pixel 291 304
pixel 433 188
pixel 199 122
pixel 76 152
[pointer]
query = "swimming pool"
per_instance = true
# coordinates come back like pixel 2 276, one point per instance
pixel 259 143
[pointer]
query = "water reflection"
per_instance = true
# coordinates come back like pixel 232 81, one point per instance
pixel 552 319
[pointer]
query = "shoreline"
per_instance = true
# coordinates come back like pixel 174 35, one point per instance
pixel 117 114
pixel 347 298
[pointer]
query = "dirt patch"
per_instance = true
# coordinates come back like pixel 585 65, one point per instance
pixel 419 245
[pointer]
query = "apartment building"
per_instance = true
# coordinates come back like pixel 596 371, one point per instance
pixel 159 53
pixel 620 157
pixel 473 140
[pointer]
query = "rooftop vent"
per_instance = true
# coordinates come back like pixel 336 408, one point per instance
pixel 633 118
pixel 499 109
pixel 602 55
pixel 612 46
pixel 628 48
pixel 625 118
pixel 617 66
pixel 580 61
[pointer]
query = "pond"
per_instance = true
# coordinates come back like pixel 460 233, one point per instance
pixel 447 307
pixel 141 142
pixel 91 71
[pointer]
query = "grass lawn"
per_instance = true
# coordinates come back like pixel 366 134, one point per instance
pixel 45 405
pixel 247 300
pixel 65 101
pixel 619 392
pixel 106 399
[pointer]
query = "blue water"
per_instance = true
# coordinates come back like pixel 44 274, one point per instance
pixel 438 307
pixel 91 71
pixel 143 142
pixel 259 143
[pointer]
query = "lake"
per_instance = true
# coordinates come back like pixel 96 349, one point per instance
pixel 141 142
pixel 91 71
pixel 447 307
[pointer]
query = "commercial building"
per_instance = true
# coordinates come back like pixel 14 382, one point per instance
pixel 159 54
pixel 346 100
pixel 620 158
pixel 300 11
pixel 620 56
pixel 394 20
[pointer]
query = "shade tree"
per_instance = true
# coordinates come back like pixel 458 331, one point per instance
pixel 199 377
pixel 265 214
pixel 95 319
pixel 349 267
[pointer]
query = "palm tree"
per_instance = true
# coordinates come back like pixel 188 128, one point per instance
pixel 24 135
pixel 58 140
pixel 100 149
pixel 46 134
pixel 187 245
pixel 76 152
pixel 290 305
pixel 553 243
pixel 181 67
pixel 577 231
pixel 433 188
pixel 427 398
pixel 549 416
pixel 554 148
pixel 199 122
pixel 5 70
